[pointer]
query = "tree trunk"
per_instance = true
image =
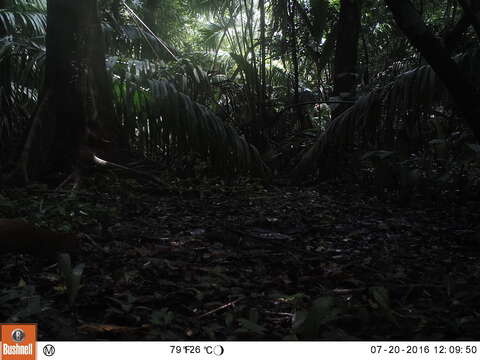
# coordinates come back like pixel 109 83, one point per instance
pixel 471 11
pixel 436 54
pixel 5 93
pixel 451 37
pixel 471 15
pixel 294 56
pixel 149 14
pixel 5 73
pixel 76 93
pixel 263 45
pixel 328 48
pixel 345 68
pixel 115 9
pixel 103 122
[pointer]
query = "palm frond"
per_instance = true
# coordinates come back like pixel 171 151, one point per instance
pixel 211 34
pixel 247 69
pixel 30 5
pixel 134 41
pixel 210 6
pixel 376 118
pixel 23 22
pixel 165 122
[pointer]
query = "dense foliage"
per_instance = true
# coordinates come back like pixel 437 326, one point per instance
pixel 186 73
pixel 280 169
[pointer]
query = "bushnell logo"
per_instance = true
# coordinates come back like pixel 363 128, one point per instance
pixel 18 335
pixel 18 341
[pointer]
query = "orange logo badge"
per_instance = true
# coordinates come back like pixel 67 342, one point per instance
pixel 18 341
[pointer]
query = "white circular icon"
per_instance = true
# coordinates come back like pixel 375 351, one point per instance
pixel 18 335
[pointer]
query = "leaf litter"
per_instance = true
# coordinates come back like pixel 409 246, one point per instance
pixel 248 261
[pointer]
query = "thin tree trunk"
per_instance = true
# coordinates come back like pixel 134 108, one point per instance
pixel 322 59
pixel 149 13
pixel 366 70
pixel 103 122
pixel 294 55
pixel 5 88
pixel 451 38
pixel 263 45
pixel 346 53
pixel 5 76
pixel 436 54
pixel 115 9
pixel 471 11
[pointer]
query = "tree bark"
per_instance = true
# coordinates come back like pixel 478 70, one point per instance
pixel 436 54
pixel 76 95
pixel 345 67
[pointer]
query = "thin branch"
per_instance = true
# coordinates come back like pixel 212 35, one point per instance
pixel 231 303
pixel 160 41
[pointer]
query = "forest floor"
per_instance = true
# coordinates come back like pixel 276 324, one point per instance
pixel 247 261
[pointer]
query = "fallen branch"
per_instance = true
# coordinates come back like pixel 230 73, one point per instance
pixel 231 303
